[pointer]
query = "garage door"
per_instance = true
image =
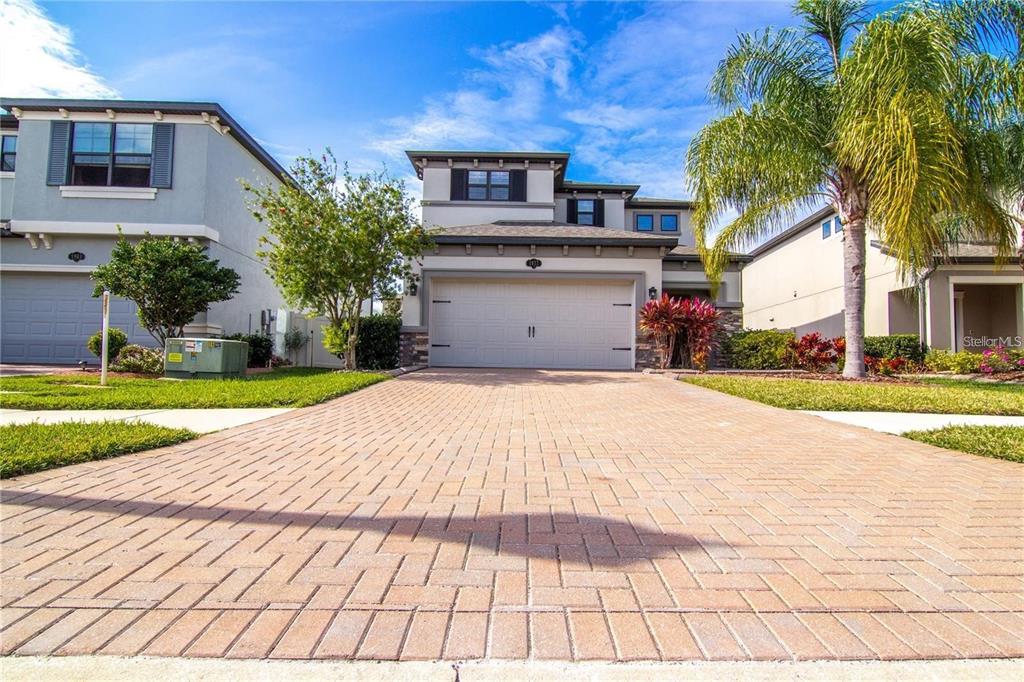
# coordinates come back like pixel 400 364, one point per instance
pixel 544 324
pixel 47 318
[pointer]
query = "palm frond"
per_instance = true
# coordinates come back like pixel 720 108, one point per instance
pixel 832 21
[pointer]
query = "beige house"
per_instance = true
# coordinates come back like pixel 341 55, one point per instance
pixel 533 270
pixel 965 301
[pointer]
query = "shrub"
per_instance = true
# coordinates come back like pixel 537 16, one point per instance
pixel 907 346
pixel 962 362
pixel 294 340
pixel 662 318
pixel 759 349
pixel 378 343
pixel 693 321
pixel 116 340
pixel 139 360
pixel 261 347
pixel 999 359
pixel 813 352
pixel 888 366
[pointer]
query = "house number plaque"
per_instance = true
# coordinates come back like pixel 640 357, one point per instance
pixel 533 263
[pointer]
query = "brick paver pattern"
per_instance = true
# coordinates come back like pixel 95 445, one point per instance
pixel 522 514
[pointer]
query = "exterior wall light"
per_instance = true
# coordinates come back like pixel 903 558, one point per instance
pixel 652 293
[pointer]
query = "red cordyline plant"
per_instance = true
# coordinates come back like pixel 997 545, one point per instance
pixel 668 318
pixel 663 318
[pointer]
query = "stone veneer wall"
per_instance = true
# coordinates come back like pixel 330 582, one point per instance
pixel 412 348
pixel 730 323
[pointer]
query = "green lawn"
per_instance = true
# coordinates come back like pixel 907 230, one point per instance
pixel 940 396
pixel 25 448
pixel 293 387
pixel 1003 442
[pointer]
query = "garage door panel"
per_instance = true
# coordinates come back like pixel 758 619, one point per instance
pixel 48 318
pixel 576 324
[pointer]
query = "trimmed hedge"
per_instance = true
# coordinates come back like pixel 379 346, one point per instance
pixel 906 346
pixel 759 349
pixel 261 348
pixel 378 343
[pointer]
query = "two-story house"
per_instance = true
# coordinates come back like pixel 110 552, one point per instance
pixel 964 301
pixel 530 269
pixel 75 172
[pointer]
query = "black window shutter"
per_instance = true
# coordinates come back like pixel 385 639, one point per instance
pixel 163 155
pixel 460 184
pixel 60 145
pixel 570 212
pixel 517 185
pixel 599 212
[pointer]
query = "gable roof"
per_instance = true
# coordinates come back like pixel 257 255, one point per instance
pixel 149 106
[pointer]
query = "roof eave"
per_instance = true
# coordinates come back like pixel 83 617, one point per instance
pixel 553 241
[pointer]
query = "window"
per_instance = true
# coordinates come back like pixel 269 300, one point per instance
pixel 826 229
pixel 488 185
pixel 670 222
pixel 837 225
pixel 111 154
pixel 8 153
pixel 585 212
pixel 644 222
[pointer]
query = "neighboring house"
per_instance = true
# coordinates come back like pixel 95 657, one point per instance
pixel 533 270
pixel 74 171
pixel 795 281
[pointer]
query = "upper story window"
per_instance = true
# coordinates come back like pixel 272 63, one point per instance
pixel 585 212
pixel 837 225
pixel 669 222
pixel 116 154
pixel 644 222
pixel 826 229
pixel 488 185
pixel 8 153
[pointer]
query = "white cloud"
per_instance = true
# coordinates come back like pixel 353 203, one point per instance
pixel 38 57
pixel 501 105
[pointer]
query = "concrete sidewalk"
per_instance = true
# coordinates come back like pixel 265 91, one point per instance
pixel 44 669
pixel 200 421
pixel 901 422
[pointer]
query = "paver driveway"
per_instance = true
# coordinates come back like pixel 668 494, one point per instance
pixel 463 514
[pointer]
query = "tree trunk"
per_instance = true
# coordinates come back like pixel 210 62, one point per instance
pixel 854 257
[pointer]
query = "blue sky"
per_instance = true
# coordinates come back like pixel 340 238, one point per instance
pixel 620 85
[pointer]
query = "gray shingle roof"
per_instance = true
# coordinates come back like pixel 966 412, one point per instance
pixel 689 253
pixel 545 232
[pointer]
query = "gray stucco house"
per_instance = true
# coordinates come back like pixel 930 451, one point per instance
pixel 73 171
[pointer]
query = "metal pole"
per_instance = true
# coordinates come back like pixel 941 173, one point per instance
pixel 106 334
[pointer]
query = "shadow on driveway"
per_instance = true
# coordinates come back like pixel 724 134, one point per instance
pixel 572 538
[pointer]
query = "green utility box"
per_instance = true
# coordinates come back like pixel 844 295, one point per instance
pixel 205 358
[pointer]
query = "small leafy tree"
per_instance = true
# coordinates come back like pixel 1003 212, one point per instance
pixel 330 246
pixel 169 281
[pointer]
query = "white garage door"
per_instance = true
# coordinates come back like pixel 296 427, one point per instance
pixel 47 318
pixel 545 324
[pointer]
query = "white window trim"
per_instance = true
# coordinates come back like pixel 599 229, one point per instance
pixel 106 192
pixel 6 174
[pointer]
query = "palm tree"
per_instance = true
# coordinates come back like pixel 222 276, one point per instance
pixel 895 121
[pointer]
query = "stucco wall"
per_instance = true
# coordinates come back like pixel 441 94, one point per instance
pixel 685 232
pixel 514 261
pixel 539 204
pixel 6 197
pixel 799 284
pixel 692 276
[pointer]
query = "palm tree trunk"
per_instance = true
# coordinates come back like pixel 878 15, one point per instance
pixel 854 256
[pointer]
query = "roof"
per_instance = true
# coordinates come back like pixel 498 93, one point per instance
pixel 689 253
pixel 652 202
pixel 793 231
pixel 977 252
pixel 148 106
pixel 559 158
pixel 545 232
